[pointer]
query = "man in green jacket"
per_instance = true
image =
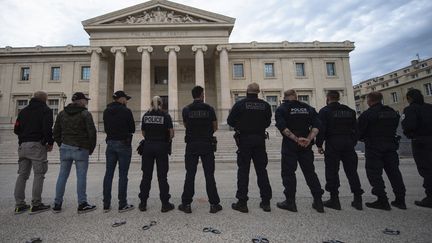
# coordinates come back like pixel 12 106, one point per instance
pixel 75 134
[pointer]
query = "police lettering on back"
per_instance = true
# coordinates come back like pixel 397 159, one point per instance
pixel 154 120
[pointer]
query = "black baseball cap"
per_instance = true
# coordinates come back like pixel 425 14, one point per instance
pixel 119 94
pixel 79 96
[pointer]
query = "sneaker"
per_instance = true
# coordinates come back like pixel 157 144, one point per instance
pixel 166 207
pixel 106 208
pixel 85 208
pixel 240 206
pixel 357 203
pixel 22 209
pixel 186 208
pixel 39 208
pixel 289 205
pixel 382 204
pixel 399 203
pixel 127 207
pixel 333 203
pixel 265 206
pixel 215 208
pixel 318 205
pixel 142 206
pixel 57 208
pixel 425 202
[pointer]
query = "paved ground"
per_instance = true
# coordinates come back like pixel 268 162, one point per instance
pixel 307 225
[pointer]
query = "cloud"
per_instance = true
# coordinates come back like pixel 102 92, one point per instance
pixel 388 34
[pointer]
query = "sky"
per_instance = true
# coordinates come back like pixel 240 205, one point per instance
pixel 388 34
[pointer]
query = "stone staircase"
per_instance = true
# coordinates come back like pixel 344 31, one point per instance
pixel 225 152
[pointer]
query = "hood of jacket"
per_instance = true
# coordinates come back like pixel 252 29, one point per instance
pixel 74 109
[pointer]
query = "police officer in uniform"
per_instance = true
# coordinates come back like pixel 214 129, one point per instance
pixel 200 122
pixel 250 117
pixel 377 128
pixel 157 130
pixel 417 125
pixel 339 131
pixel 299 124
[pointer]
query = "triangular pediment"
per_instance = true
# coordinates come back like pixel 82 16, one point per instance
pixel 159 12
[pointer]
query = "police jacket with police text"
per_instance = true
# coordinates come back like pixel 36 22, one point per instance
pixel 199 118
pixel 297 116
pixel 250 115
pixel 156 125
pixel 336 119
pixel 379 121
pixel 417 120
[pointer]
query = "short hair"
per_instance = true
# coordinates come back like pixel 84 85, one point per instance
pixel 41 95
pixel 415 95
pixel 375 97
pixel 253 88
pixel 333 95
pixel 197 91
pixel 290 92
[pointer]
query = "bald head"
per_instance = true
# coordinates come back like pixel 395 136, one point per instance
pixel 41 95
pixel 253 88
pixel 290 95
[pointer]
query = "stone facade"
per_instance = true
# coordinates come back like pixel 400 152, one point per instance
pixel 164 48
pixel 394 85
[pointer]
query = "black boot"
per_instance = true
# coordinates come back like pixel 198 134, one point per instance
pixel 166 207
pixel 357 203
pixel 186 208
pixel 333 202
pixel 318 205
pixel 288 204
pixel 399 202
pixel 381 203
pixel 425 202
pixel 265 205
pixel 142 206
pixel 240 206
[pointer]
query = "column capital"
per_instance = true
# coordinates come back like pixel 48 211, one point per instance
pixel 174 48
pixel 115 49
pixel 223 47
pixel 98 50
pixel 148 49
pixel 198 47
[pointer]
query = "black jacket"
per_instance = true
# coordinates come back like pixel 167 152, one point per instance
pixel 379 121
pixel 74 126
pixel 119 123
pixel 34 123
pixel 417 121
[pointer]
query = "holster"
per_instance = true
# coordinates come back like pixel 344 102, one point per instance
pixel 214 143
pixel 140 148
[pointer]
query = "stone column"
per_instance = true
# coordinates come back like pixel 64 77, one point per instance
pixel 172 80
pixel 94 83
pixel 199 64
pixel 119 67
pixel 145 77
pixel 224 82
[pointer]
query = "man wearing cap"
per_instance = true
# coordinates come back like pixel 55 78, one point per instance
pixel 119 126
pixel 75 134
pixel 250 117
pixel 34 129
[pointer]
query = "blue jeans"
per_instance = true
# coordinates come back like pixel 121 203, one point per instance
pixel 121 152
pixel 69 154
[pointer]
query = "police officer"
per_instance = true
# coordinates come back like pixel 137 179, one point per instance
pixel 417 126
pixel 200 122
pixel 299 124
pixel 250 117
pixel 377 128
pixel 157 130
pixel 339 130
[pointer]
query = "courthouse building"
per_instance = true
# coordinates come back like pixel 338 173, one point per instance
pixel 165 48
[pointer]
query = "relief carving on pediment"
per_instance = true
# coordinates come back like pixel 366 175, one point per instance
pixel 158 16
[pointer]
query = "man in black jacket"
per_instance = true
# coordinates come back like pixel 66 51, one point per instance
pixel 119 126
pixel 417 125
pixel 339 130
pixel 250 117
pixel 34 129
pixel 377 128
pixel 75 134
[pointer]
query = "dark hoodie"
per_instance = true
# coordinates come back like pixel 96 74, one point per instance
pixel 34 123
pixel 417 119
pixel 119 123
pixel 74 126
